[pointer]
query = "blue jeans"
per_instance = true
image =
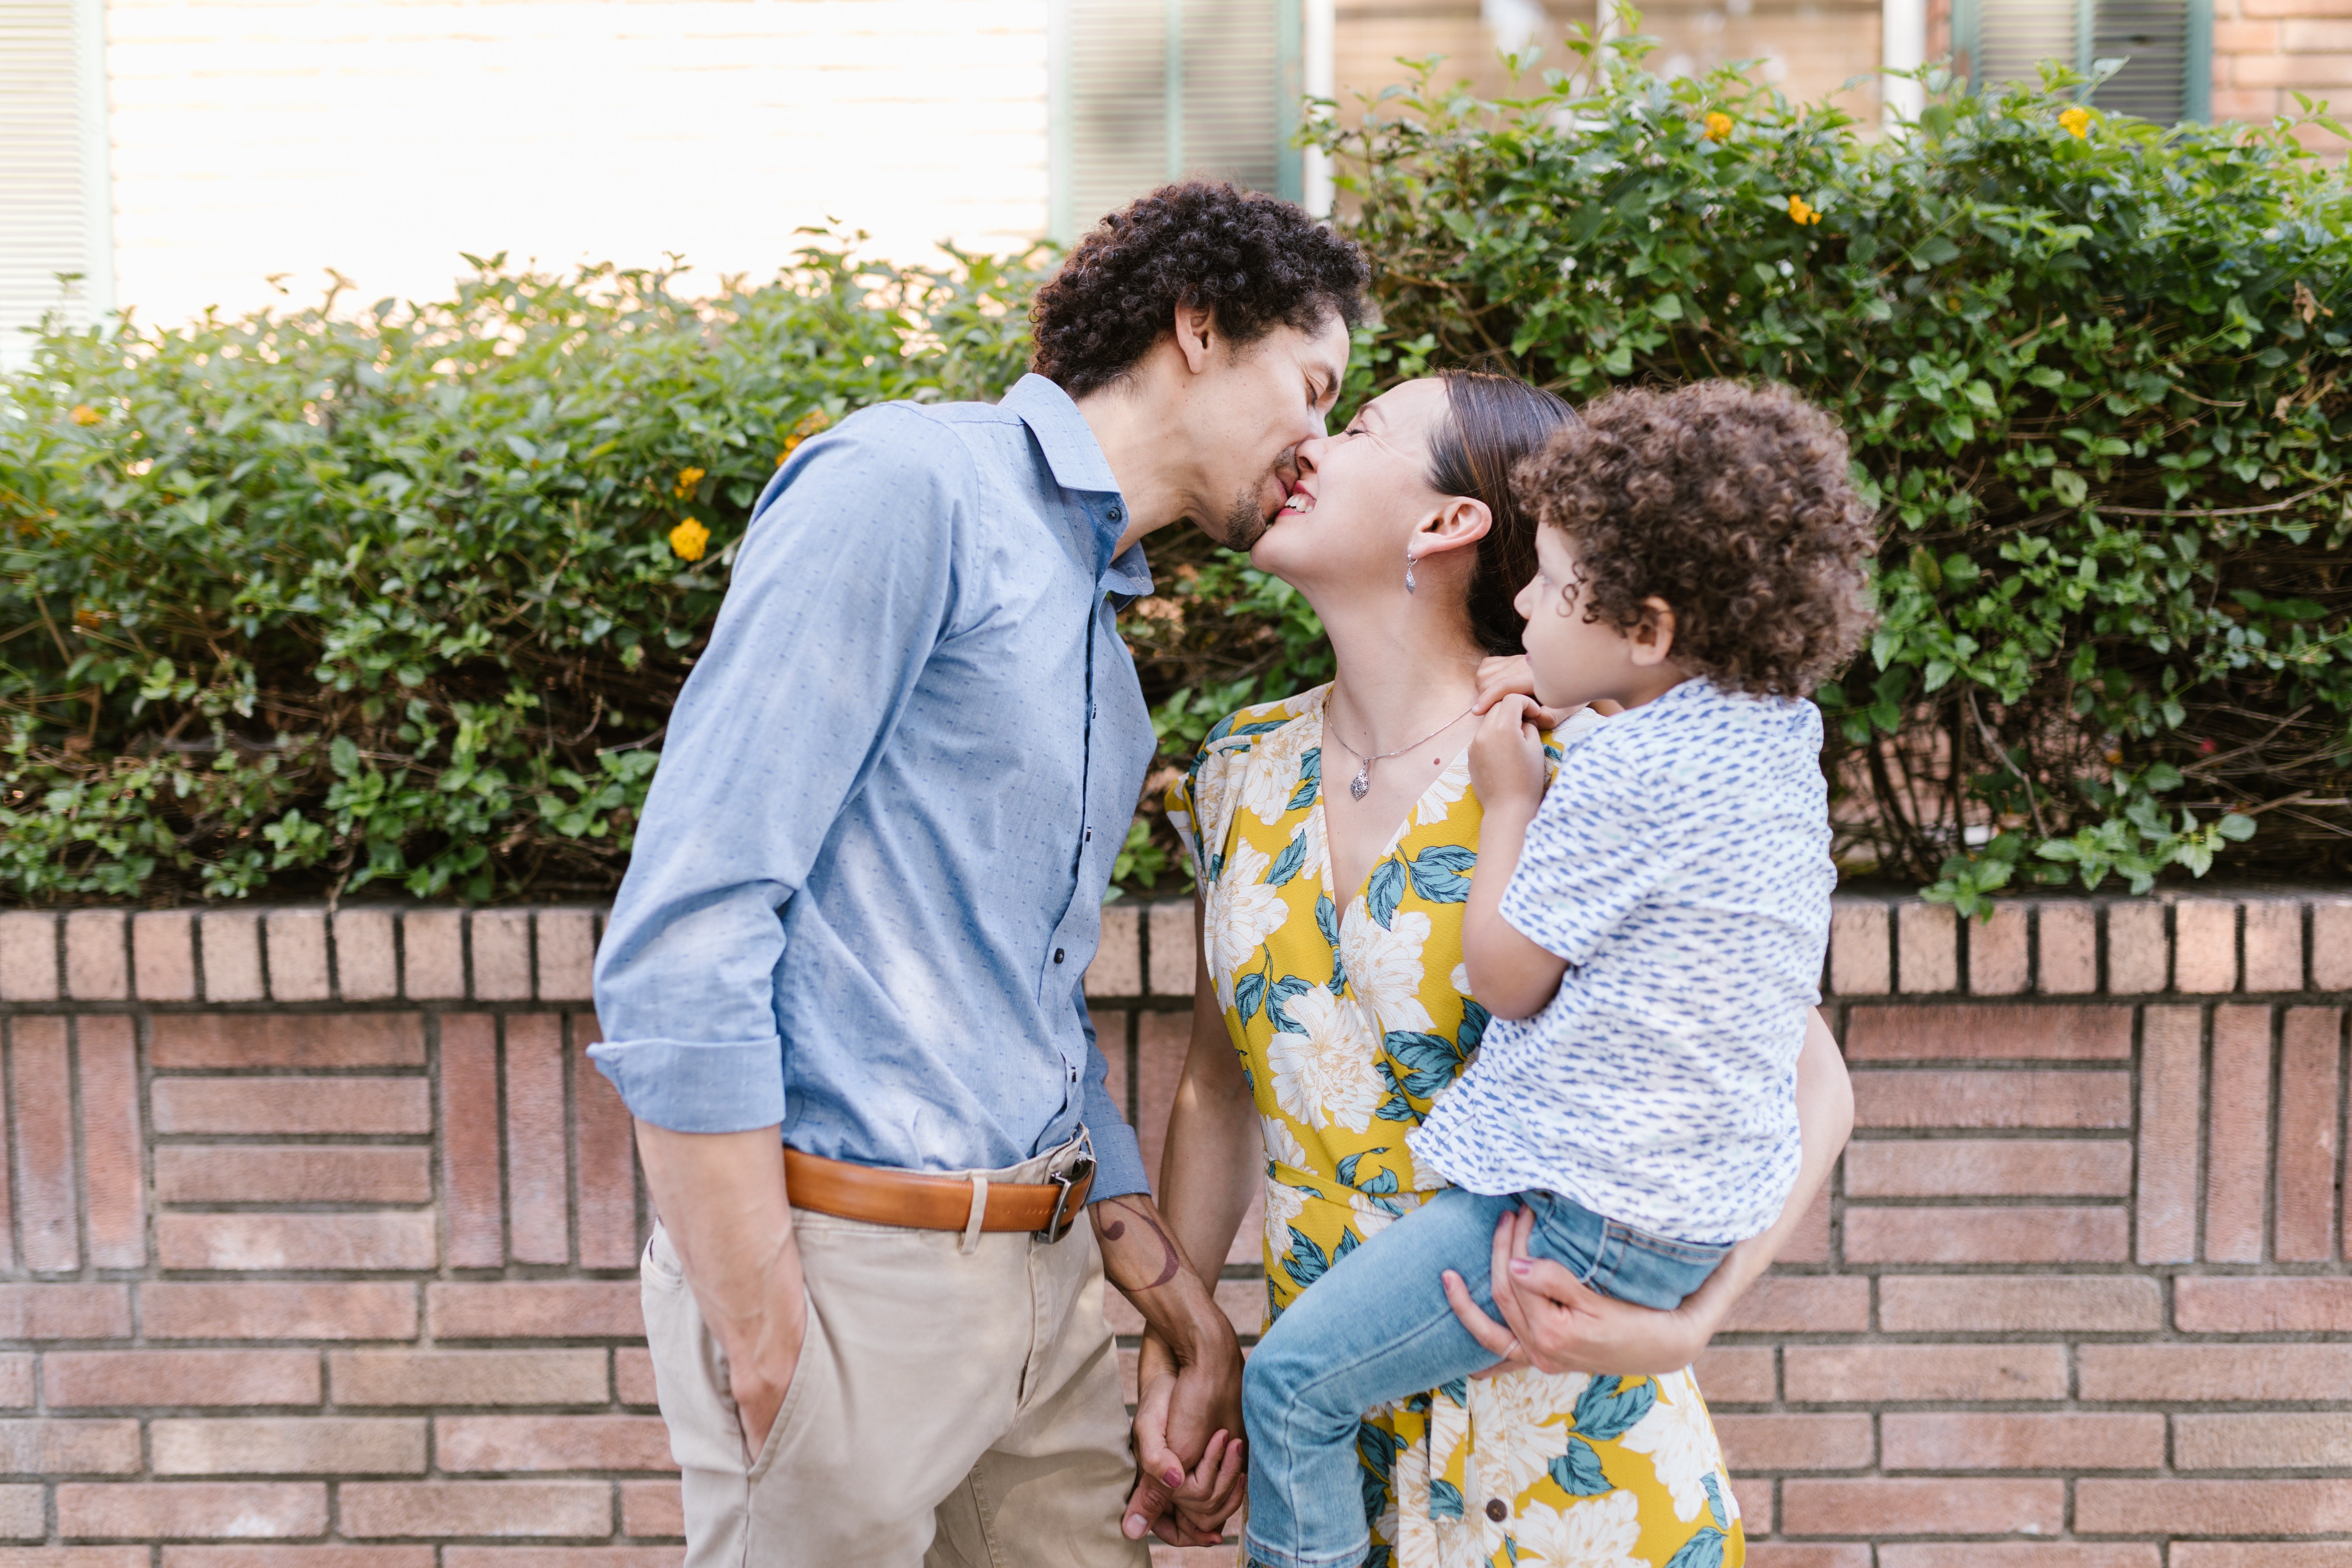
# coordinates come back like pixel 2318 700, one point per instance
pixel 1377 1328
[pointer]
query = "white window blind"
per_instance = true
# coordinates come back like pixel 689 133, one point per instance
pixel 2167 46
pixel 53 200
pixel 1145 91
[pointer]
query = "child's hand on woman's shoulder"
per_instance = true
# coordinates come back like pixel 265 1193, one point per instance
pixel 1506 758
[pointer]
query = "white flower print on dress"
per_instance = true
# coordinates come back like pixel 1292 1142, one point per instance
pixel 1282 1145
pixel 1600 1533
pixel 1284 1204
pixel 1383 965
pixel 1680 1442
pixel 1272 768
pixel 1460 977
pixel 1240 913
pixel 1522 1422
pixel 1323 1075
pixel 1437 801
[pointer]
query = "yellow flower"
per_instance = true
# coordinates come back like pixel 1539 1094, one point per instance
pixel 1802 210
pixel 83 414
pixel 687 479
pixel 815 420
pixel 688 539
pixel 1718 126
pixel 2076 120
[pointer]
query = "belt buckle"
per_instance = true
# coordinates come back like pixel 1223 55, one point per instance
pixel 1058 1225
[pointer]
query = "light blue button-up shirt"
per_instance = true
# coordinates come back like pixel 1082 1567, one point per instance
pixel 870 873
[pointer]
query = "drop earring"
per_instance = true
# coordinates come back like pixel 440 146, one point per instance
pixel 1409 585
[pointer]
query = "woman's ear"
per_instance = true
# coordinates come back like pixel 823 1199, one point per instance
pixel 1458 523
pixel 1651 642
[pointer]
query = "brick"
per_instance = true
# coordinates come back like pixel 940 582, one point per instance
pixel 114 1183
pixel 567 954
pixel 2273 945
pixel 22 1517
pixel 1117 967
pixel 2331 944
pixel 299 970
pixel 2246 37
pixel 1991 1098
pixel 180 1040
pixel 2238 1135
pixel 2307 72
pixel 47 1216
pixel 1735 1375
pixel 163 955
pixel 1857 1374
pixel 2205 946
pixel 367 964
pixel 150 1510
pixel 2020 1303
pixel 1999 956
pixel 69 1447
pixel 2036 1234
pixel 1927 954
pixel 63 1310
pixel 2139 951
pixel 1938 1506
pixel 301 1172
pixel 1243 1301
pixel 28 956
pixel 1989 1168
pixel 1174 928
pixel 393 1239
pixel 1960 1032
pixel 470 1140
pixel 1756 1499
pixel 2308 37
pixel 1802 1303
pixel 73 1556
pixel 15 1380
pixel 2169 1117
pixel 433 955
pixel 122 1379
pixel 291 1309
pixel 537 1177
pixel 372 1556
pixel 2196 1374
pixel 1861 957
pixel 476 1508
pixel 1775 1442
pixel 2310 1042
pixel 632 1375
pixel 2243 103
pixel 604 1161
pixel 461 1378
pixel 2212 1508
pixel 2051 1554
pixel 304 1446
pixel 462 1443
pixel 1944 1440
pixel 291 1106
pixel 1782 1554
pixel 652 1508
pixel 2276 1440
pixel 98 958
pixel 1809 1241
pixel 535 1308
pixel 2066 948
pixel 1162 1040
pixel 231 939
pixel 559 1556
pixel 2240 1305
pixel 501 945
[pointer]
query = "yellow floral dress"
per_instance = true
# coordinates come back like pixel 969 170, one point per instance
pixel 1351 1014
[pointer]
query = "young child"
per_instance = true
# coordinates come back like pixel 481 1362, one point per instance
pixel 1648 934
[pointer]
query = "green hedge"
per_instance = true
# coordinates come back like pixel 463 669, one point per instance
pixel 309 601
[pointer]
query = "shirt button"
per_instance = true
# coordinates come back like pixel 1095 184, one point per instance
pixel 1497 1510
pixel 1057 955
pixel 1117 514
pixel 1090 836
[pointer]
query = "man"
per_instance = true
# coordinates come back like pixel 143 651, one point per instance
pixel 841 986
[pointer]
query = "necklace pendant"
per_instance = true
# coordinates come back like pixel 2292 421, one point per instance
pixel 1361 785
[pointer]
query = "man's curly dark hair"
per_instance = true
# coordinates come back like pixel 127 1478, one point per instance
pixel 1733 505
pixel 1257 260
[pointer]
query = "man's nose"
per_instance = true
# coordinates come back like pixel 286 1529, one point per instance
pixel 1291 464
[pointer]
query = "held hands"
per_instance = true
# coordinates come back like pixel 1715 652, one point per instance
pixel 1506 757
pixel 1181 1507
pixel 1555 1324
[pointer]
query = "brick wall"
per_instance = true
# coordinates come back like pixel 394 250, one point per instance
pixel 2266 52
pixel 320 1236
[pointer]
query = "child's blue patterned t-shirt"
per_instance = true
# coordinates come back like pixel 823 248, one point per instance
pixel 1680 864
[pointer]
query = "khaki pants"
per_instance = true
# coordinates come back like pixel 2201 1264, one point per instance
pixel 954 1407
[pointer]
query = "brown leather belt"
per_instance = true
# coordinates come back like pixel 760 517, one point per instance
pixel 1045 1209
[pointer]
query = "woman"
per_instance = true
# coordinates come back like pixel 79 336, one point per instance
pixel 1332 1008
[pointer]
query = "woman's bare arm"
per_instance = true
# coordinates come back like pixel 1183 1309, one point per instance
pixel 1552 1323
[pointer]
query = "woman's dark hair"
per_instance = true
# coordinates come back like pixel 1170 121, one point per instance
pixel 1492 423
pixel 1257 260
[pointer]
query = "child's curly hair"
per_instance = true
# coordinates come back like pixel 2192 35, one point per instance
pixel 1733 504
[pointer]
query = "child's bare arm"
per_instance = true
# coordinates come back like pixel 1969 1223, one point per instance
pixel 1511 976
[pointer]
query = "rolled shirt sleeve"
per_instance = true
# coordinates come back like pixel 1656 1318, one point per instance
pixel 1119 1157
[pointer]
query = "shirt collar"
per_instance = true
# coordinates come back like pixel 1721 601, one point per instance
pixel 1078 465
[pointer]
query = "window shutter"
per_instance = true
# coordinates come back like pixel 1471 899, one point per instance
pixel 48 75
pixel 1145 93
pixel 2166 44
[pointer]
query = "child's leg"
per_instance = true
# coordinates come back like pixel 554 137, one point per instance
pixel 1613 1257
pixel 1375 1328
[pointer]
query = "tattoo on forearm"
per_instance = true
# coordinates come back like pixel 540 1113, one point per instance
pixel 1116 1230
